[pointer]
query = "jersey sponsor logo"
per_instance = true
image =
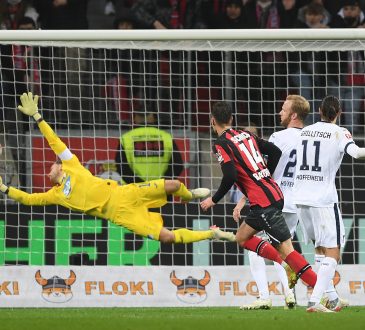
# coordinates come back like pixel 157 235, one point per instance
pixel 219 156
pixel 67 188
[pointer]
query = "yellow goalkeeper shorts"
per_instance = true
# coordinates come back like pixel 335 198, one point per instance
pixel 132 212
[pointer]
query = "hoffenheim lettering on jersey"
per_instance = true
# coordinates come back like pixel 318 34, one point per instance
pixel 319 155
pixel 286 140
pixel 67 188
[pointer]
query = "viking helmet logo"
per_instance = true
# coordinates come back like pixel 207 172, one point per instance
pixel 191 290
pixel 56 289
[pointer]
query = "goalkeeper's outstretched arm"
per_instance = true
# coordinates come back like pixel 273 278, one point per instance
pixel 29 106
pixel 25 198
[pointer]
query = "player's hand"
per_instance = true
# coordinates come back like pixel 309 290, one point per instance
pixel 3 188
pixel 236 214
pixel 206 204
pixel 29 105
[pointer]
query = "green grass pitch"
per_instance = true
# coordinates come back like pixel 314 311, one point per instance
pixel 202 318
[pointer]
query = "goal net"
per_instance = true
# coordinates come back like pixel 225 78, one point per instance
pixel 96 86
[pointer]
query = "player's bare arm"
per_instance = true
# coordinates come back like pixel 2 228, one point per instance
pixel 238 208
pixel 228 179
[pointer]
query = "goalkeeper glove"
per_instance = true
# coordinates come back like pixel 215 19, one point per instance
pixel 3 188
pixel 29 106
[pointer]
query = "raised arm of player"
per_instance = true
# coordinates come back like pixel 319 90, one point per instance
pixel 29 106
pixel 355 151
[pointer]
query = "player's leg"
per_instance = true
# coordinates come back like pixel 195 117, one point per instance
pixel 325 275
pixel 273 222
pixel 152 194
pixel 184 235
pixel 331 299
pixel 150 224
pixel 291 220
pixel 290 300
pixel 258 271
pixel 329 233
pixel 246 239
pixel 297 263
pixel 177 188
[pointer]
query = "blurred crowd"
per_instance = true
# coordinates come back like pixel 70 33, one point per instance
pixel 98 88
pixel 135 79
pixel 181 14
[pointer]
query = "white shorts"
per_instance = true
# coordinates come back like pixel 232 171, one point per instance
pixel 291 220
pixel 322 225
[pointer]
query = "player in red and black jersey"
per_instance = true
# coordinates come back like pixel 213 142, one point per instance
pixel 240 153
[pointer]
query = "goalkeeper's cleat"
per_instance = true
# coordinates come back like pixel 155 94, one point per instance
pixel 258 304
pixel 290 301
pixel 292 277
pixel 317 308
pixel 335 305
pixel 222 235
pixel 199 193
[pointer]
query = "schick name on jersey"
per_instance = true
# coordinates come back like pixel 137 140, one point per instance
pixel 323 135
pixel 240 137
pixel 262 174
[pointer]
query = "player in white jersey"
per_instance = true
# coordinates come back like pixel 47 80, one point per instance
pixel 292 115
pixel 319 155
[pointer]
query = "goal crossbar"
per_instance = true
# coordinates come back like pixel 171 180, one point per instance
pixel 226 40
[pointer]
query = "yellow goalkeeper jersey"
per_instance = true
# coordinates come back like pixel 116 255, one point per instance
pixel 79 190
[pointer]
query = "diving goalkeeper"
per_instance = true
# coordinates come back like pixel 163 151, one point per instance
pixel 74 187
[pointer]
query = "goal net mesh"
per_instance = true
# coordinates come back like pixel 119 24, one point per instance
pixel 92 93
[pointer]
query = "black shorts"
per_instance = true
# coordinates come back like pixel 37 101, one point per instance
pixel 271 220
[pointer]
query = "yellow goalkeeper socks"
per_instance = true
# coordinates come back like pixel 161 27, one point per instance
pixel 189 236
pixel 183 192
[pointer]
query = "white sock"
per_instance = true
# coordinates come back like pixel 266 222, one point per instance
pixel 258 271
pixel 324 276
pixel 331 291
pixel 317 261
pixel 283 278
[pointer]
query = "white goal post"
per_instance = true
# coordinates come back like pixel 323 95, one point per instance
pixel 91 84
